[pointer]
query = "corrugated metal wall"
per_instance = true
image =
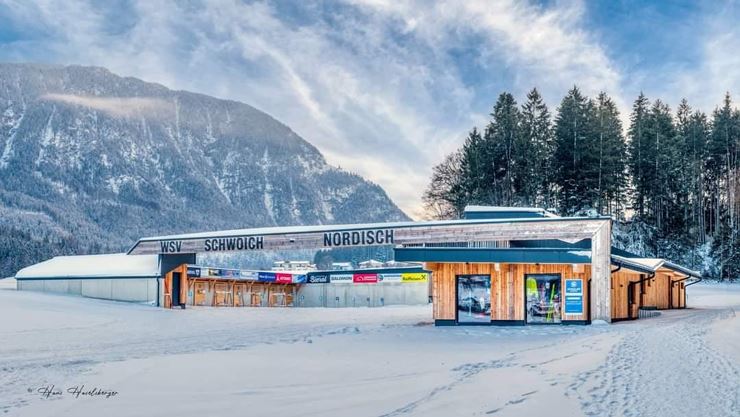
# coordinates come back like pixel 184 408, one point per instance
pixel 141 290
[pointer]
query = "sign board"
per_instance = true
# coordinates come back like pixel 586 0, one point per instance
pixel 230 273
pixel 317 279
pixel 365 278
pixel 370 235
pixel 283 278
pixel 414 277
pixel 299 279
pixel 250 275
pixel 266 277
pixel 341 278
pixel 573 296
pixel 389 277
pixel 193 271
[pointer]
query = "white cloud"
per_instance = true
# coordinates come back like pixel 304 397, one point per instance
pixel 117 106
pixel 373 84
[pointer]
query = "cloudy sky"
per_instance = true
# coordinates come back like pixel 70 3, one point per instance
pixel 386 88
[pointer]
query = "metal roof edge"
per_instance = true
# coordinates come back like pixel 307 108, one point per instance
pixel 352 227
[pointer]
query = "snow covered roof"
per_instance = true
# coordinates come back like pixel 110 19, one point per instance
pixel 114 265
pixel 501 213
pixel 473 208
pixel 652 265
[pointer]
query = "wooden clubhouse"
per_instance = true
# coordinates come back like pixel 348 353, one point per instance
pixel 498 265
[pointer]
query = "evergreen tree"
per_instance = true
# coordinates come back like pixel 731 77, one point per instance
pixel 723 178
pixel 692 129
pixel 612 175
pixel 500 140
pixel 534 149
pixel 638 151
pixel 572 150
pixel 474 169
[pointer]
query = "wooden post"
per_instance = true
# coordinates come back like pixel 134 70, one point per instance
pixel 601 273
pixel 183 284
pixel 168 290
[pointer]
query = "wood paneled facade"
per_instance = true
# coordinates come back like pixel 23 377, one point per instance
pixel 224 292
pixel 630 290
pixel 508 304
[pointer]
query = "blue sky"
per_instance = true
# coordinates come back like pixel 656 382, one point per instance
pixel 386 88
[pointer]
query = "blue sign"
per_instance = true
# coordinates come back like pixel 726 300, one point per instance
pixel 573 296
pixel 573 287
pixel 267 277
pixel 573 304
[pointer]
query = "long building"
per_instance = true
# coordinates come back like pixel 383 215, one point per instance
pixel 497 266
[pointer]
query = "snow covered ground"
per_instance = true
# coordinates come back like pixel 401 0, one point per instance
pixel 362 362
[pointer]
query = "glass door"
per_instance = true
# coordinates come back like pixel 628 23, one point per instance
pixel 474 299
pixel 543 298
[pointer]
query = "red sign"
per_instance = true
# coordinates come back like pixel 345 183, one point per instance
pixel 364 278
pixel 283 278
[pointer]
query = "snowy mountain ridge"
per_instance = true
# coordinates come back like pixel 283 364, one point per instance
pixel 90 161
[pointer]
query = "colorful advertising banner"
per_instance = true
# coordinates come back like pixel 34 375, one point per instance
pixel 230 273
pixel 193 271
pixel 341 278
pixel 318 279
pixel 365 278
pixel 573 296
pixel 414 277
pixel 249 275
pixel 389 277
pixel 266 277
pixel 299 279
pixel 283 278
pixel 211 272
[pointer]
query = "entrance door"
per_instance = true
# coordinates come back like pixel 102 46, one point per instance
pixel 474 299
pixel 542 292
pixel 175 289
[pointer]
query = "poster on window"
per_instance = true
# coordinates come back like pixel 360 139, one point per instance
pixel 474 298
pixel 543 298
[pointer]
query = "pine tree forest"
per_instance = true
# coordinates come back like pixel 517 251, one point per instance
pixel 670 180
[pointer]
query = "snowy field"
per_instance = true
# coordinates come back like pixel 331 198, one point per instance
pixel 361 362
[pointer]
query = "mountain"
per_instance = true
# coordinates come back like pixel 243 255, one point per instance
pixel 90 161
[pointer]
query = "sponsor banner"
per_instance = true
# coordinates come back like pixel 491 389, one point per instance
pixel 365 278
pixel 299 279
pixel 414 277
pixel 341 278
pixel 230 273
pixel 266 277
pixel 283 278
pixel 389 277
pixel 249 275
pixel 210 272
pixel 318 279
pixel 193 271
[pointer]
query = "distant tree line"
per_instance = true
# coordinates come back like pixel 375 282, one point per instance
pixel 678 173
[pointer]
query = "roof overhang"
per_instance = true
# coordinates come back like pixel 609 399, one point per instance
pixel 493 255
pixel 373 234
